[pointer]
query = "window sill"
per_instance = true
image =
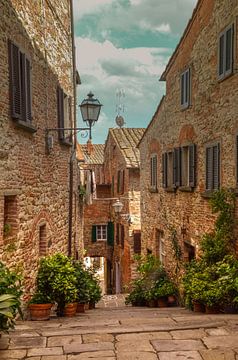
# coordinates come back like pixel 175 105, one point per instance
pixel 207 194
pixel 170 189
pixel 185 107
pixel 66 142
pixel 153 190
pixel 26 126
pixel 226 76
pixel 185 189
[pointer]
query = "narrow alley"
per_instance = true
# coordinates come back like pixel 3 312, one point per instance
pixel 114 331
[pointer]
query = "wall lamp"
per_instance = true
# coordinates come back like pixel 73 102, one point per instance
pixel 118 206
pixel 90 110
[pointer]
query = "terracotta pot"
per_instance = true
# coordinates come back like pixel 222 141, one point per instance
pixel 162 302
pixel 40 311
pixel 70 309
pixel 171 300
pixel 80 308
pixel 198 307
pixel 152 303
pixel 91 305
pixel 215 309
pixel 86 306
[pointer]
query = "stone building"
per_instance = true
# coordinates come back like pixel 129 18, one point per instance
pixel 38 77
pixel 117 176
pixel 190 146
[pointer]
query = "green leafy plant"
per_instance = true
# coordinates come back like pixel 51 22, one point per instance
pixel 56 278
pixel 82 284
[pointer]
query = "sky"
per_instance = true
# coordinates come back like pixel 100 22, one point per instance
pixel 122 48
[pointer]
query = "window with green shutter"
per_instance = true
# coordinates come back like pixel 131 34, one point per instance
pixel 110 233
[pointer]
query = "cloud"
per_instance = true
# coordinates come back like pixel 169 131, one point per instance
pixel 85 7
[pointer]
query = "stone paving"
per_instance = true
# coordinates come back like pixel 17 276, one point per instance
pixel 113 331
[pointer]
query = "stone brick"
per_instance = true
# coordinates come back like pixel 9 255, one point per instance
pixel 64 340
pixel 181 355
pixel 93 338
pixel 25 343
pixel 135 355
pixel 107 355
pixel 217 332
pixel 45 351
pixel 222 342
pixel 12 354
pixel 68 349
pixel 188 334
pixel 177 345
pixel 218 355
pixel 140 346
pixel 144 336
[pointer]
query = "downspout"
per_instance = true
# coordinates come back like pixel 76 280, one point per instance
pixel 73 151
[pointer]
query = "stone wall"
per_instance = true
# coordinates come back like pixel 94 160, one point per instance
pixel 39 180
pixel 211 117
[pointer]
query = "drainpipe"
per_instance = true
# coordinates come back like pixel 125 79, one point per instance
pixel 73 151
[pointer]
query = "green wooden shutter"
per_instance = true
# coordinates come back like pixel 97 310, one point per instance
pixel 110 233
pixel 94 233
pixel 192 165
pixel 15 81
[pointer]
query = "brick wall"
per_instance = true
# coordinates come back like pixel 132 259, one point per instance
pixel 38 179
pixel 211 117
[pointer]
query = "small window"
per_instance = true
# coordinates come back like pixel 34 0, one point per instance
pixel 10 216
pixel 42 240
pixel 213 167
pixel 226 40
pixel 189 252
pixel 185 89
pixel 101 232
pixel 64 110
pixel 153 172
pixel 188 165
pixel 20 84
pixel 137 242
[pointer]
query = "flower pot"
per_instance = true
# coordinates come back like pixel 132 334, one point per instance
pixel 152 303
pixel 198 307
pixel 162 302
pixel 214 309
pixel 171 300
pixel 70 309
pixel 80 308
pixel 40 311
pixel 91 305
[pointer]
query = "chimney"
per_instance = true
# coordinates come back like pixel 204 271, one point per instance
pixel 90 148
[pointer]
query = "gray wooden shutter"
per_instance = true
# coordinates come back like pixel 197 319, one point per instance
pixel 164 170
pixel 209 168
pixel 182 89
pixel 94 233
pixel 151 172
pixel 192 165
pixel 177 167
pixel 15 80
pixel 60 111
pixel 216 167
pixel 229 50
pixel 28 91
pixel 221 55
pixel 110 233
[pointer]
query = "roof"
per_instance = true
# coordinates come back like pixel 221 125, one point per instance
pixel 186 31
pixel 152 120
pixel 127 140
pixel 96 157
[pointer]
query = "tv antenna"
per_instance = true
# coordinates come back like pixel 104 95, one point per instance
pixel 120 107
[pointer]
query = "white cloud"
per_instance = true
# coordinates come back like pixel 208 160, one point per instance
pixel 83 7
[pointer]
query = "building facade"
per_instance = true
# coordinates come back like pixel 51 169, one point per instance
pixel 36 94
pixel 190 147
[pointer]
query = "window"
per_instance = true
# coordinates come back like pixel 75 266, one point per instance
pixel 213 167
pixel 120 181
pixel 20 84
pixel 137 242
pixel 179 167
pixel 10 216
pixel 225 65
pixel 64 109
pixel 189 252
pixel 42 240
pixel 153 172
pixel 185 88
pixel 101 232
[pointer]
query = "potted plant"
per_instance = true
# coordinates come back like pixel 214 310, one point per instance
pixel 136 297
pixel 95 292
pixel 56 276
pixel 82 286
pixel 10 297
pixel 163 289
pixel 40 306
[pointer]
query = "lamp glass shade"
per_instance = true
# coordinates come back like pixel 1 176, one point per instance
pixel 90 109
pixel 117 207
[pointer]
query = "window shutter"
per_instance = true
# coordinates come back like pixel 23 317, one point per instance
pixel 209 168
pixel 216 167
pixel 237 160
pixel 15 80
pixel 28 91
pixel 137 243
pixel 229 51
pixel 122 236
pixel 164 170
pixel 110 233
pixel 117 235
pixel 182 88
pixel 94 233
pixel 192 165
pixel 123 182
pixel 118 181
pixel 151 172
pixel 155 171
pixel 177 167
pixel 221 54
pixel 60 110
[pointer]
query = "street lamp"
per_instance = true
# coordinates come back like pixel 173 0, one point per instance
pixel 90 110
pixel 118 206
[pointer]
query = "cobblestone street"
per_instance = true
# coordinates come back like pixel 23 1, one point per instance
pixel 113 331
